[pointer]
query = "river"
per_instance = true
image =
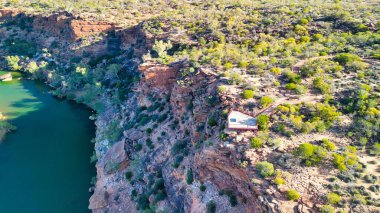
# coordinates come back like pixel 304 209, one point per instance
pixel 45 164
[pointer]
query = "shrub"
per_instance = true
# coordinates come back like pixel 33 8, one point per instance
pixel 276 70
pixel 265 168
pixel 292 194
pixel 310 154
pixel 13 63
pixel 339 162
pixel 228 66
pixel 303 21
pixel 32 67
pixel 333 198
pixel 128 175
pixel 262 122
pixel 248 94
pixel 330 146
pixel 320 84
pixel 142 202
pixel 189 176
pixel 345 58
pixel 222 89
pixel 243 64
pixel 291 86
pixel 235 78
pixel 211 207
pixel 212 122
pixel 256 142
pixel 266 101
pixel 279 181
pixel 202 188
pixel 327 209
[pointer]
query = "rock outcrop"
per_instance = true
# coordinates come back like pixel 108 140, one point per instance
pixel 63 25
pixel 157 78
pixel 98 199
pixel 219 167
pixel 6 77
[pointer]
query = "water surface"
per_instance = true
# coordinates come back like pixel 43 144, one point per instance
pixel 44 165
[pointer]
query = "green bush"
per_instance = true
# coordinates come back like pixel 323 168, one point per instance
pixel 276 70
pixel 345 58
pixel 256 142
pixel 263 122
pixel 248 94
pixel 279 181
pixel 330 146
pixel 327 209
pixel 211 206
pixel 292 194
pixel 291 86
pixel 189 176
pixel 265 169
pixel 222 89
pixel 310 154
pixel 13 63
pixel 128 175
pixel 235 78
pixel 333 198
pixel 266 101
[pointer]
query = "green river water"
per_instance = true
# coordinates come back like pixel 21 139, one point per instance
pixel 45 164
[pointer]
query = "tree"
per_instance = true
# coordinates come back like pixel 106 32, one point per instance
pixel 292 194
pixel 32 67
pixel 263 122
pixel 265 169
pixel 248 94
pixel 13 63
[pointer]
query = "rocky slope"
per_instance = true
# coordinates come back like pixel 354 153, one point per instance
pixel 174 159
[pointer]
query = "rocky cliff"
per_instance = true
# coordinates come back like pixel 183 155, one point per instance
pixel 167 157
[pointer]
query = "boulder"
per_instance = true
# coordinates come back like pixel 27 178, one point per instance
pixel 98 199
pixel 116 158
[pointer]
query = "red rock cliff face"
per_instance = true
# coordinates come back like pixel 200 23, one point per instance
pixel 157 78
pixel 219 167
pixel 63 25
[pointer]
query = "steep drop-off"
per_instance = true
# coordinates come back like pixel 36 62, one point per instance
pixel 165 145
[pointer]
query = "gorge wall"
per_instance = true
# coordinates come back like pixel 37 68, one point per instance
pixel 160 153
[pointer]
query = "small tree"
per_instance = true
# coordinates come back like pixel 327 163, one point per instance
pixel 12 62
pixel 32 67
pixel 263 122
pixel 292 194
pixel 265 168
